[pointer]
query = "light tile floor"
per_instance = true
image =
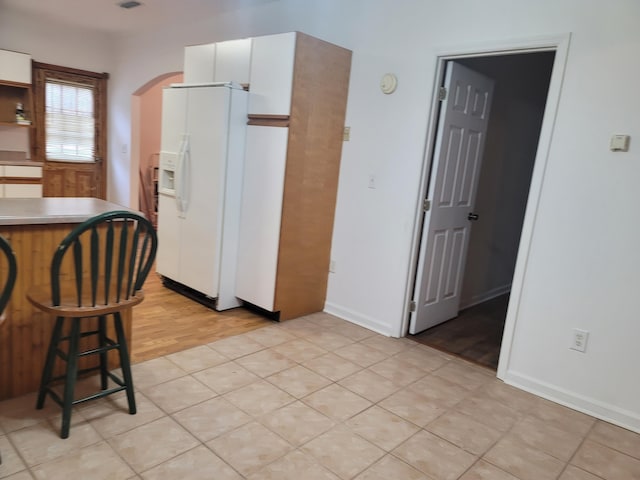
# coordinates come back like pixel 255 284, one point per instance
pixel 315 398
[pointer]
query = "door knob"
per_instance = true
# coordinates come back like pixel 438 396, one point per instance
pixel 473 217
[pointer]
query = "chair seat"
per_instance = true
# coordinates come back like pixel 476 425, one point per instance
pixel 40 297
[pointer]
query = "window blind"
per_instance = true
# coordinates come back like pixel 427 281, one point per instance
pixel 69 122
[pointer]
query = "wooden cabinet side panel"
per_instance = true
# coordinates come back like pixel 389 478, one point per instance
pixel 320 88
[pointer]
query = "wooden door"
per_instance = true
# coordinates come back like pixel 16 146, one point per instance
pixel 73 156
pixel 462 128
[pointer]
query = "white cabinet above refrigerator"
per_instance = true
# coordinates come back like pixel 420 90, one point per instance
pixel 218 62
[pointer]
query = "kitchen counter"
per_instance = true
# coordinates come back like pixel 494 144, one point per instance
pixel 35 227
pixel 36 211
pixel 21 163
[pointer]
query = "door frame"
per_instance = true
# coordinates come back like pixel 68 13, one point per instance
pixel 560 45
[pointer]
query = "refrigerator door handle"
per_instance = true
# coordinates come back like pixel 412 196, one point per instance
pixel 179 178
pixel 186 175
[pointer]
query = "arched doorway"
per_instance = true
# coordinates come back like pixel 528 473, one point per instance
pixel 146 114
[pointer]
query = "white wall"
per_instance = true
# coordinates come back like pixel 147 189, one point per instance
pixel 50 43
pixel 582 269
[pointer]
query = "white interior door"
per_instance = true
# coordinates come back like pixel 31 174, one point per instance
pixel 457 158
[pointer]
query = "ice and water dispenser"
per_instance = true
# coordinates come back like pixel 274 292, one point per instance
pixel 167 180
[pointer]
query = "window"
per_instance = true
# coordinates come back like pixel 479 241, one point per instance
pixel 69 122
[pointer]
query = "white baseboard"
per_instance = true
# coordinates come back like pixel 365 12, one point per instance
pixel 357 318
pixel 484 296
pixel 604 411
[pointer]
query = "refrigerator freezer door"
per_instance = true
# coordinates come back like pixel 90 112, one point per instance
pixel 167 259
pixel 174 124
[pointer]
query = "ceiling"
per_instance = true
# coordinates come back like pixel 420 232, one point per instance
pixel 107 16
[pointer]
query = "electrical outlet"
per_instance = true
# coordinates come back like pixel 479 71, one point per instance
pixel 346 134
pixel 579 341
pixel 332 266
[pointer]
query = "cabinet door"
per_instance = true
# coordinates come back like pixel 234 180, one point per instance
pixel 233 60
pixel 258 245
pixel 15 67
pixel 24 171
pixel 272 62
pixel 23 190
pixel 199 63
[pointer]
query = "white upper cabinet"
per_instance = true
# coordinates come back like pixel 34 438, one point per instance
pixel 15 67
pixel 272 62
pixel 199 63
pixel 218 62
pixel 233 60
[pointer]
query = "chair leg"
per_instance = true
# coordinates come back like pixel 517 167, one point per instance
pixel 125 363
pixel 47 371
pixel 104 359
pixel 70 377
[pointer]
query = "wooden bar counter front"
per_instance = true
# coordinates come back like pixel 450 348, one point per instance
pixel 35 227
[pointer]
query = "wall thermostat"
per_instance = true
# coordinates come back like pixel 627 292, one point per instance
pixel 619 143
pixel 388 83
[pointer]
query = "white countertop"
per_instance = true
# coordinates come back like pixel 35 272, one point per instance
pixel 33 211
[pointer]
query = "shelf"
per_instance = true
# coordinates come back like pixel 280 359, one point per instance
pixel 13 124
pixel 10 95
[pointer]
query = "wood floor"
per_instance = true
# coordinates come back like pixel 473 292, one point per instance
pixel 167 322
pixel 475 334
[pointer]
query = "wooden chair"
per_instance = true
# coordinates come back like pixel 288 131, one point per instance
pixel 9 273
pixel 98 270
pixel 8 279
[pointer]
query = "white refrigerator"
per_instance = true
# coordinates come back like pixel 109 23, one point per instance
pixel 200 188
